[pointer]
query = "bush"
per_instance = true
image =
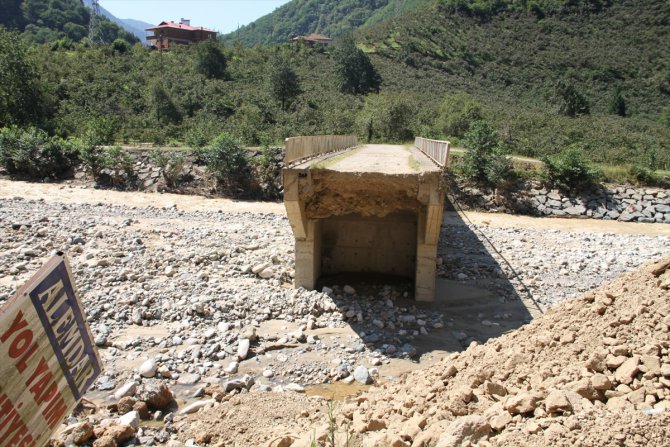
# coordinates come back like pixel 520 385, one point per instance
pixel 570 101
pixel 486 161
pixel 457 112
pixel 570 170
pixel 33 153
pixel 108 164
pixel 171 165
pixel 388 118
pixel 227 160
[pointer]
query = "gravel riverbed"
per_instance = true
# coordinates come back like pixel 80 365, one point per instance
pixel 202 297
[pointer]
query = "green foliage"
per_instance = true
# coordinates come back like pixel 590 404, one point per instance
pixel 355 72
pixel 21 95
pixel 283 82
pixel 164 108
pixel 210 60
pixel 665 117
pixel 227 160
pixel 48 21
pixel 33 153
pixel 120 46
pixel 485 161
pixel 617 103
pixel 330 17
pixel 456 113
pixel 171 164
pixel 570 101
pixel 388 117
pixel 100 131
pixel 117 166
pixel 570 170
pixel 643 176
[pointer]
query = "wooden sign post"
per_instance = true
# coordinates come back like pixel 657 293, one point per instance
pixel 47 356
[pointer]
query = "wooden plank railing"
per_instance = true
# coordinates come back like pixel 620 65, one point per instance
pixel 436 150
pixel 302 148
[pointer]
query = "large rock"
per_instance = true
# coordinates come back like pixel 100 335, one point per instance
pixel 132 418
pixel 466 430
pixel 148 368
pixel 362 375
pixel 243 348
pixel 156 394
pixel 557 402
pixel 127 389
pixel 197 405
pixel 628 370
pixel 522 403
pixel 82 433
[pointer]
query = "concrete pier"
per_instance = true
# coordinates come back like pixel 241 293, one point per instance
pixel 372 209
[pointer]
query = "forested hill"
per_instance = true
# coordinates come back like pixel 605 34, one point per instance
pixel 56 21
pixel 329 17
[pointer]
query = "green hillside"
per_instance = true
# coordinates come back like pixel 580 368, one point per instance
pixel 48 21
pixel 328 17
pixel 510 59
pixel 548 75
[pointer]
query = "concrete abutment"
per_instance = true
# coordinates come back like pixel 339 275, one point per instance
pixel 365 222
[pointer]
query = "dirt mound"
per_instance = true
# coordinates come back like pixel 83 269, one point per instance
pixel 592 371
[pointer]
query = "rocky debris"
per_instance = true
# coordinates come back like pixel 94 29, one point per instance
pixel 548 265
pixel 156 394
pixel 529 388
pixel 623 203
pixel 192 324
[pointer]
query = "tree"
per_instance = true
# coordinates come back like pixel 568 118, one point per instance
pixel 388 117
pixel 570 101
pixel 283 82
pixel 210 60
pixel 486 161
pixel 617 104
pixel 10 14
pixel 355 72
pixel 20 91
pixel 457 112
pixel 165 109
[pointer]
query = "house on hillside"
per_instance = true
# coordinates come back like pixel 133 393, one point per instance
pixel 313 39
pixel 168 34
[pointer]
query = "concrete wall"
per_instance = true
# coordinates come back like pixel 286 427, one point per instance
pixel 369 245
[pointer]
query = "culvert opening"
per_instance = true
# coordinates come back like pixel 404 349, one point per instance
pixel 380 248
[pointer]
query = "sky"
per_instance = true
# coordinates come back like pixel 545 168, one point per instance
pixel 220 15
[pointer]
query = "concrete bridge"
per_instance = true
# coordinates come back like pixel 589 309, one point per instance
pixel 365 209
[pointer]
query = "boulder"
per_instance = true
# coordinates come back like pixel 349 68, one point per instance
pixel 156 394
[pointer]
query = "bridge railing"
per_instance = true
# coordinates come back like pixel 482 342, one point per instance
pixel 436 150
pixel 301 148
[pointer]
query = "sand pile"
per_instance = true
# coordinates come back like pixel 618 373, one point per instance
pixel 593 371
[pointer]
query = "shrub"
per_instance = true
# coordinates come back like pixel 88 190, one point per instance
pixel 570 101
pixel 99 131
pixel 486 161
pixel 570 170
pixel 33 153
pixel 227 160
pixel 617 103
pixel 108 164
pixel 456 113
pixel 388 117
pixel 171 165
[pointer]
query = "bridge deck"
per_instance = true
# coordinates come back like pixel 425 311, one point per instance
pixel 377 158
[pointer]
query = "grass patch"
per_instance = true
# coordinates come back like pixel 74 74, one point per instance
pixel 325 164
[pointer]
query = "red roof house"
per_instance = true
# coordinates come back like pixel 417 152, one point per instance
pixel 168 34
